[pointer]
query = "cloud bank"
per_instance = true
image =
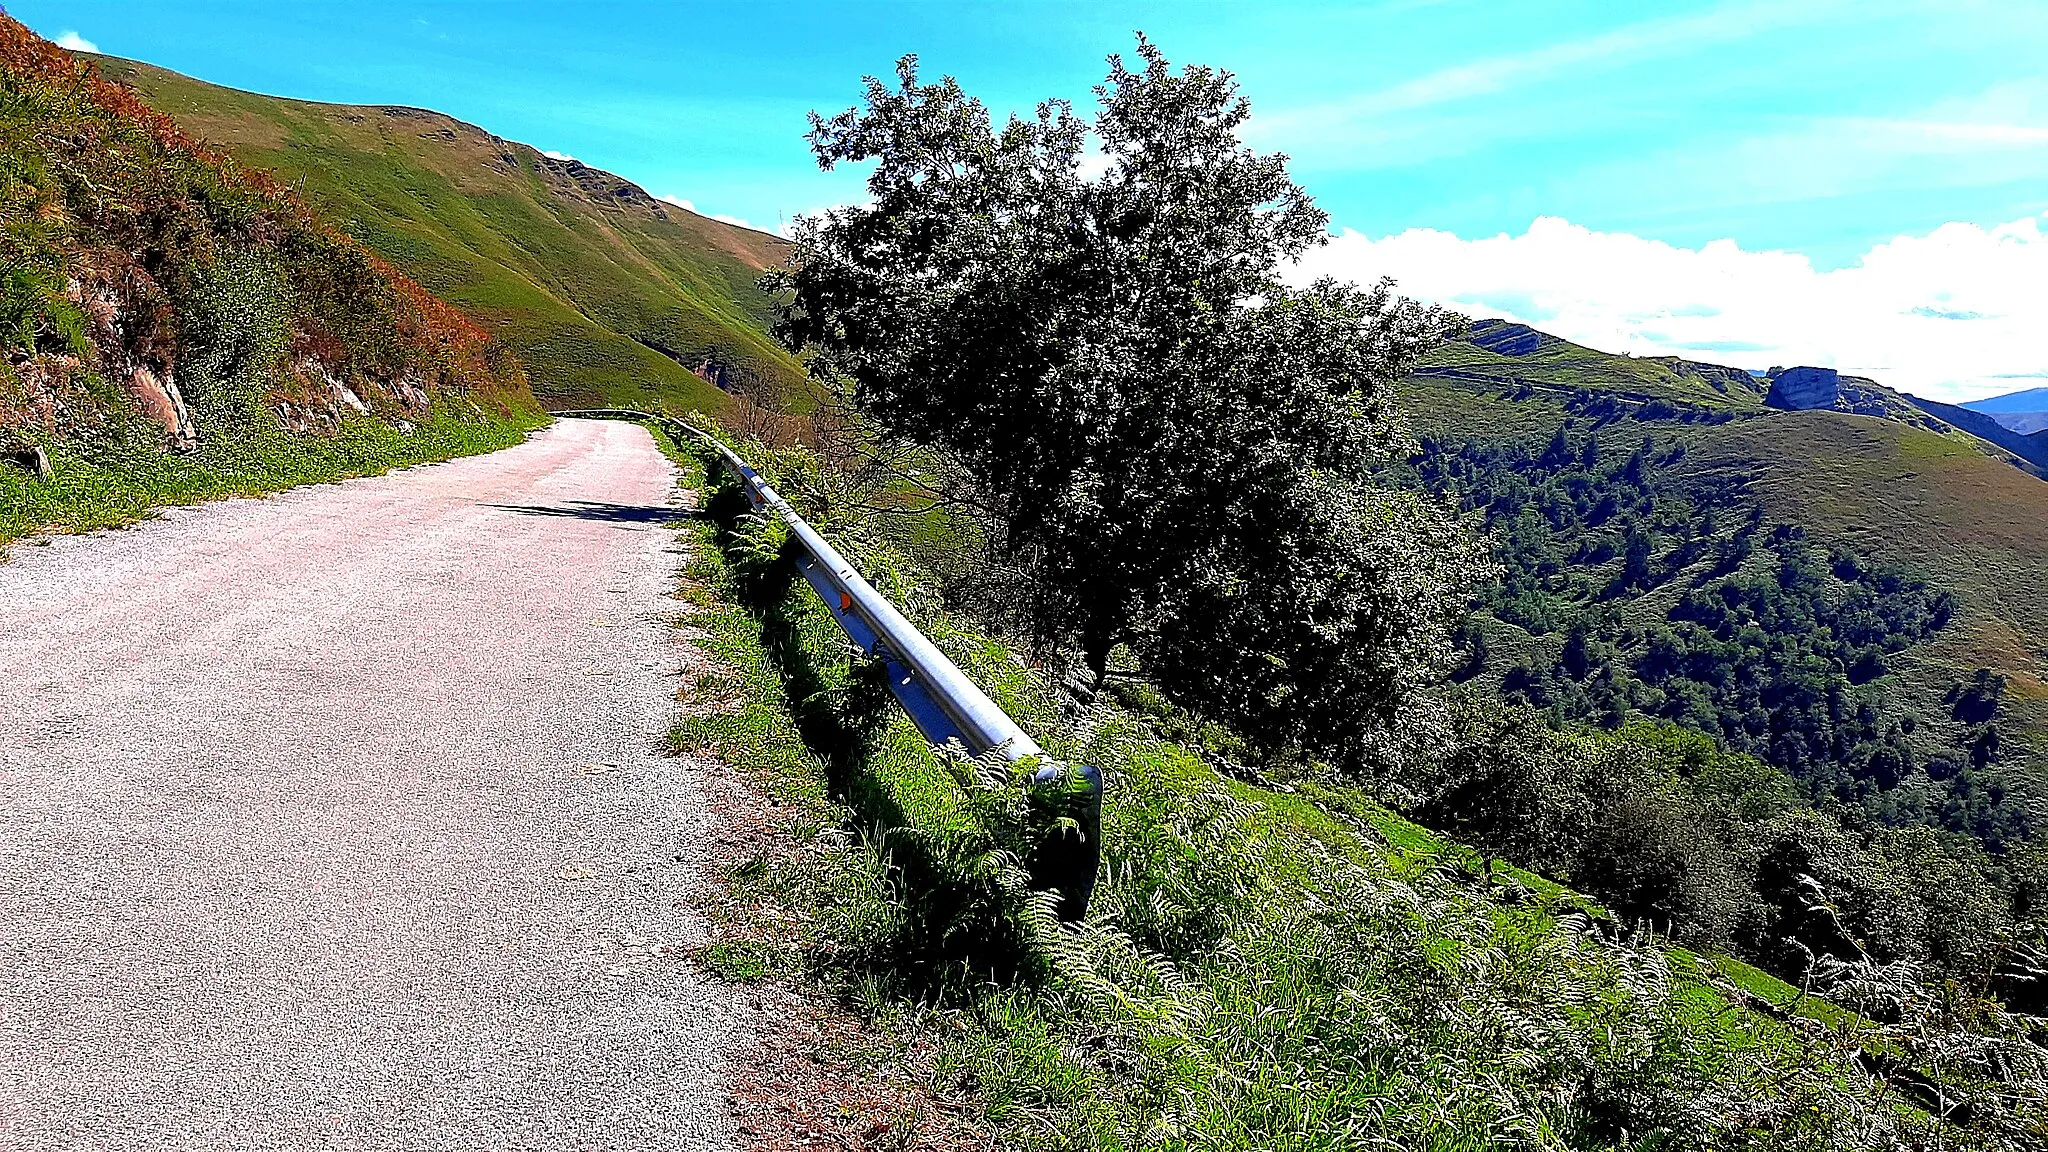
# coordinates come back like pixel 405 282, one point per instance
pixel 70 40
pixel 1957 314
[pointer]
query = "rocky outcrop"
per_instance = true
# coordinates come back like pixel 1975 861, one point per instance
pixel 318 400
pixel 1809 389
pixel 1803 389
pixel 597 185
pixel 159 400
pixel 32 460
pixel 1507 338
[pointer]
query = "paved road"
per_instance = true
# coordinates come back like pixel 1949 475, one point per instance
pixel 338 819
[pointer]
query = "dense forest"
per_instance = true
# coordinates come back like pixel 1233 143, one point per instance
pixel 1728 754
pixel 1644 594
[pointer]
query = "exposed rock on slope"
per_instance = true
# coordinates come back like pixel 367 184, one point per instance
pixel 1508 338
pixel 1804 389
pixel 151 282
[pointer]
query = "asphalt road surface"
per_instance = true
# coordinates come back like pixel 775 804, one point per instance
pixel 340 819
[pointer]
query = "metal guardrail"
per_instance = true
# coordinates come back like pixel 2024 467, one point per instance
pixel 946 706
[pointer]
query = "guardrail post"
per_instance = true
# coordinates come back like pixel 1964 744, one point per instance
pixel 1068 859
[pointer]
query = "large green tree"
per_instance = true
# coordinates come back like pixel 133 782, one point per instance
pixel 1176 447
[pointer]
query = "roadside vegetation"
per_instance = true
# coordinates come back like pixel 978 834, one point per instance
pixel 1148 497
pixel 174 326
pixel 111 484
pixel 1265 966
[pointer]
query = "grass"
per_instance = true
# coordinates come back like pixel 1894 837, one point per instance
pixel 1262 969
pixel 1563 368
pixel 108 486
pixel 607 299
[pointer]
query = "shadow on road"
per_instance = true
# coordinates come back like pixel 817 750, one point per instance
pixel 599 510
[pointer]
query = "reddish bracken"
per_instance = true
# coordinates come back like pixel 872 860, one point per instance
pixel 141 220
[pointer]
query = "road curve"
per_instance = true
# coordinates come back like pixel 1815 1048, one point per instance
pixel 339 819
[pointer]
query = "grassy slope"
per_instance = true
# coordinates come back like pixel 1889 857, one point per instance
pixel 145 267
pixel 1563 365
pixel 585 284
pixel 1949 508
pixel 1939 506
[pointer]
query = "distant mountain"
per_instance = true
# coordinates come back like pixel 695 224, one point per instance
pixel 2028 400
pixel 2023 412
pixel 2017 432
pixel 2024 423
pixel 605 293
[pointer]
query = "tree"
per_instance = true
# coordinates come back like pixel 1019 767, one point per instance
pixel 1176 449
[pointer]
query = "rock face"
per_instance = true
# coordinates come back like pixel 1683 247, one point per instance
pixel 1799 389
pixel 158 397
pixel 1507 338
pixel 34 461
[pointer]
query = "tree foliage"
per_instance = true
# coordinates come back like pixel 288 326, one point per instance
pixel 1175 448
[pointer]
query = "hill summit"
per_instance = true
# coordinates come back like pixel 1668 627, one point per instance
pixel 607 294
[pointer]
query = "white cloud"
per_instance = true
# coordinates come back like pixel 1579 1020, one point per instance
pixel 554 155
pixel 678 201
pixel 1955 314
pixel 70 39
pixel 781 230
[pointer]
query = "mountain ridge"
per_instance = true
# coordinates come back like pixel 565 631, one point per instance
pixel 608 294
pixel 1883 482
pixel 2024 400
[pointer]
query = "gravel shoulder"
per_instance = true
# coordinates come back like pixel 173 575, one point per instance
pixel 342 819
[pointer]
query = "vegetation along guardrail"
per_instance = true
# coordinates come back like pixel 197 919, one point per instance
pixel 944 704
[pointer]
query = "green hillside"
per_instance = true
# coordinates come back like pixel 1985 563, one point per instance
pixel 176 327
pixel 1948 508
pixel 1889 501
pixel 1526 361
pixel 606 294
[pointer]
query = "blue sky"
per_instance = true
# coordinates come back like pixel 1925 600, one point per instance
pixel 1596 139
